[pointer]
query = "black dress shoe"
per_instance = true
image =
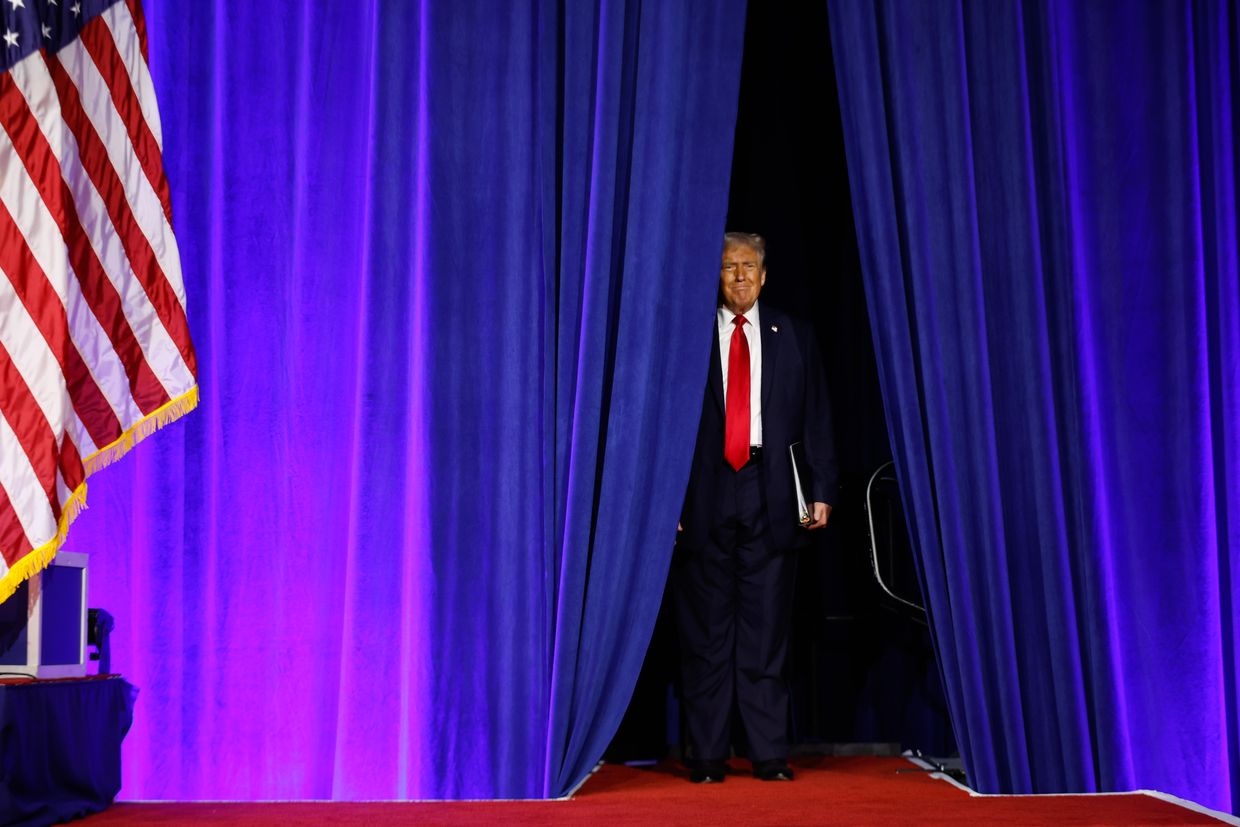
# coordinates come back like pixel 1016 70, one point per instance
pixel 708 772
pixel 776 769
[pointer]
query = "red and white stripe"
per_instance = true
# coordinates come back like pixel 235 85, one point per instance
pixel 95 348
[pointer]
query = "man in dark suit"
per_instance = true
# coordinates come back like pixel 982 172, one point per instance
pixel 734 572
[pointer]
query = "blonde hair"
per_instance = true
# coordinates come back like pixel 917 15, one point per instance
pixel 753 241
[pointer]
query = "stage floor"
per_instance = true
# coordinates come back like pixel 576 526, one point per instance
pixel 861 790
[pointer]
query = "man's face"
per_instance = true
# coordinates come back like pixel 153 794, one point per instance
pixel 741 277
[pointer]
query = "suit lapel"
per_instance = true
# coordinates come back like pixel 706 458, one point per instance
pixel 716 364
pixel 771 340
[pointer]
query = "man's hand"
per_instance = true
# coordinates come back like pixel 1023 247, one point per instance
pixel 821 512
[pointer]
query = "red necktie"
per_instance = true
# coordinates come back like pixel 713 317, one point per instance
pixel 736 433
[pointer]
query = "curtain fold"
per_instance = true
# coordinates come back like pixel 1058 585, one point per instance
pixel 1046 205
pixel 451 268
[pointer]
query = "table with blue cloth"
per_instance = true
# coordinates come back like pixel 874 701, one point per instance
pixel 60 746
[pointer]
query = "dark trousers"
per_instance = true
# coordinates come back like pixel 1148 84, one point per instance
pixel 734 609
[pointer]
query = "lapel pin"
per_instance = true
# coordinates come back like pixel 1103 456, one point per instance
pixel 774 328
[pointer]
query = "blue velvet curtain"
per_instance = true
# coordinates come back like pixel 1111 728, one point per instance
pixel 450 268
pixel 1046 207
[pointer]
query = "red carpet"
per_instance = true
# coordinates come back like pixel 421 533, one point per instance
pixel 885 791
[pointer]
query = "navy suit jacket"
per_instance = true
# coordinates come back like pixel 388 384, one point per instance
pixel 795 408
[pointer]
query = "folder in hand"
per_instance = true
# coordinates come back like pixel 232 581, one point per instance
pixel 801 482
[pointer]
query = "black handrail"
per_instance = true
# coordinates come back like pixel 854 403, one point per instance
pixel 869 511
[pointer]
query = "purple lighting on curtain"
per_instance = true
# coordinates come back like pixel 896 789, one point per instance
pixel 1048 230
pixel 417 575
pixel 414 540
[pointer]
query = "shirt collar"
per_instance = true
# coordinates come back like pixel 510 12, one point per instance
pixel 726 316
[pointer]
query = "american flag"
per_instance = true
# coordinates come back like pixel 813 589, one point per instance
pixel 95 352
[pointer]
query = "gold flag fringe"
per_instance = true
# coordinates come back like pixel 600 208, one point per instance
pixel 144 427
pixel 41 557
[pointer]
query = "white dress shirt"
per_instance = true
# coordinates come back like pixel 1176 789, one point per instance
pixel 753 334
